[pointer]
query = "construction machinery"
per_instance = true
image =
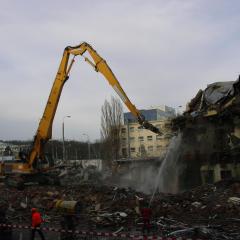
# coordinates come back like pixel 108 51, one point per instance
pixel 35 161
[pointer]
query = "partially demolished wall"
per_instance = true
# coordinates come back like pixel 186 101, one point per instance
pixel 211 135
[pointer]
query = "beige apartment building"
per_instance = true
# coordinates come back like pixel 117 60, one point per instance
pixel 137 142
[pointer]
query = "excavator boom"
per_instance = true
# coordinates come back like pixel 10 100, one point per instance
pixel 44 131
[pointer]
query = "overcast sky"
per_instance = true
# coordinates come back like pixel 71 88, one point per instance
pixel 162 52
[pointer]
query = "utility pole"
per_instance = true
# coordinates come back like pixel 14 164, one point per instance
pixel 76 154
pixel 63 140
pixel 88 145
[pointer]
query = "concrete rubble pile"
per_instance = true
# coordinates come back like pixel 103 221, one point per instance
pixel 210 211
pixel 75 175
pixel 215 99
pixel 211 208
pixel 219 99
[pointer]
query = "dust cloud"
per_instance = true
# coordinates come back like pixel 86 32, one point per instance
pixel 163 177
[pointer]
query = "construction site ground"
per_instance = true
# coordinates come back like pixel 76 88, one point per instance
pixel 208 212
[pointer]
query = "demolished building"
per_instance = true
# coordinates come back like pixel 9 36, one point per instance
pixel 210 129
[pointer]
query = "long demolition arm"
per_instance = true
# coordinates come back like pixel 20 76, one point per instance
pixel 44 132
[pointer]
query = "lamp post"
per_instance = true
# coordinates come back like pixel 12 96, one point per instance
pixel 88 145
pixel 178 110
pixel 63 137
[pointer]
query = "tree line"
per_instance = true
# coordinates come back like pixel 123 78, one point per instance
pixel 107 148
pixel 75 150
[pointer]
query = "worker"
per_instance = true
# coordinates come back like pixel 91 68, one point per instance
pixel 68 223
pixel 36 223
pixel 146 213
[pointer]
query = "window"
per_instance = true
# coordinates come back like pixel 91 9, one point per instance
pixel 142 149
pixel 158 137
pixel 208 176
pixel 226 174
pixel 141 139
pixel 124 140
pixel 150 148
pixel 132 139
pixel 132 149
pixel 124 152
pixel 168 136
pixel 149 138
pixel 159 147
pixel 123 130
pixel 131 129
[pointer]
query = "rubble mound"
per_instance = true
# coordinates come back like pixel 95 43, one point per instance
pixel 206 211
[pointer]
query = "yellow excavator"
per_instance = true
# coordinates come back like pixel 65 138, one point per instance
pixel 35 161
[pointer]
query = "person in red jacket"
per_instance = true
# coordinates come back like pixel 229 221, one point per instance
pixel 146 213
pixel 36 223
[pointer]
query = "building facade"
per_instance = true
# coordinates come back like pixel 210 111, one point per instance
pixel 7 149
pixel 137 142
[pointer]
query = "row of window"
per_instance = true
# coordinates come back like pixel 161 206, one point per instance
pixel 141 138
pixel 209 175
pixel 142 149
pixel 132 129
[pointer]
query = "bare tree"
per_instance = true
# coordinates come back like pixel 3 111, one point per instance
pixel 111 121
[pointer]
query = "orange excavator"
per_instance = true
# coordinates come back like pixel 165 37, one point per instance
pixel 36 161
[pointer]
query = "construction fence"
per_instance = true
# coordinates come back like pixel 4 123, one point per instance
pixel 23 232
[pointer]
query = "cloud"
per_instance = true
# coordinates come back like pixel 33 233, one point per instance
pixel 162 52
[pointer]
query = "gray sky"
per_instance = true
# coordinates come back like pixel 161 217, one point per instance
pixel 162 52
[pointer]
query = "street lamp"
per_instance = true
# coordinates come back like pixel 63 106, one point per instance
pixel 63 137
pixel 88 145
pixel 178 110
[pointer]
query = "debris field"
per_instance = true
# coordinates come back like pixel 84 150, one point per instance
pixel 210 211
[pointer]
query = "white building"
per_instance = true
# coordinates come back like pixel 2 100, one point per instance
pixel 14 149
pixel 140 143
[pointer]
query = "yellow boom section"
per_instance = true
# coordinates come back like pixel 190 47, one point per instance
pixel 44 132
